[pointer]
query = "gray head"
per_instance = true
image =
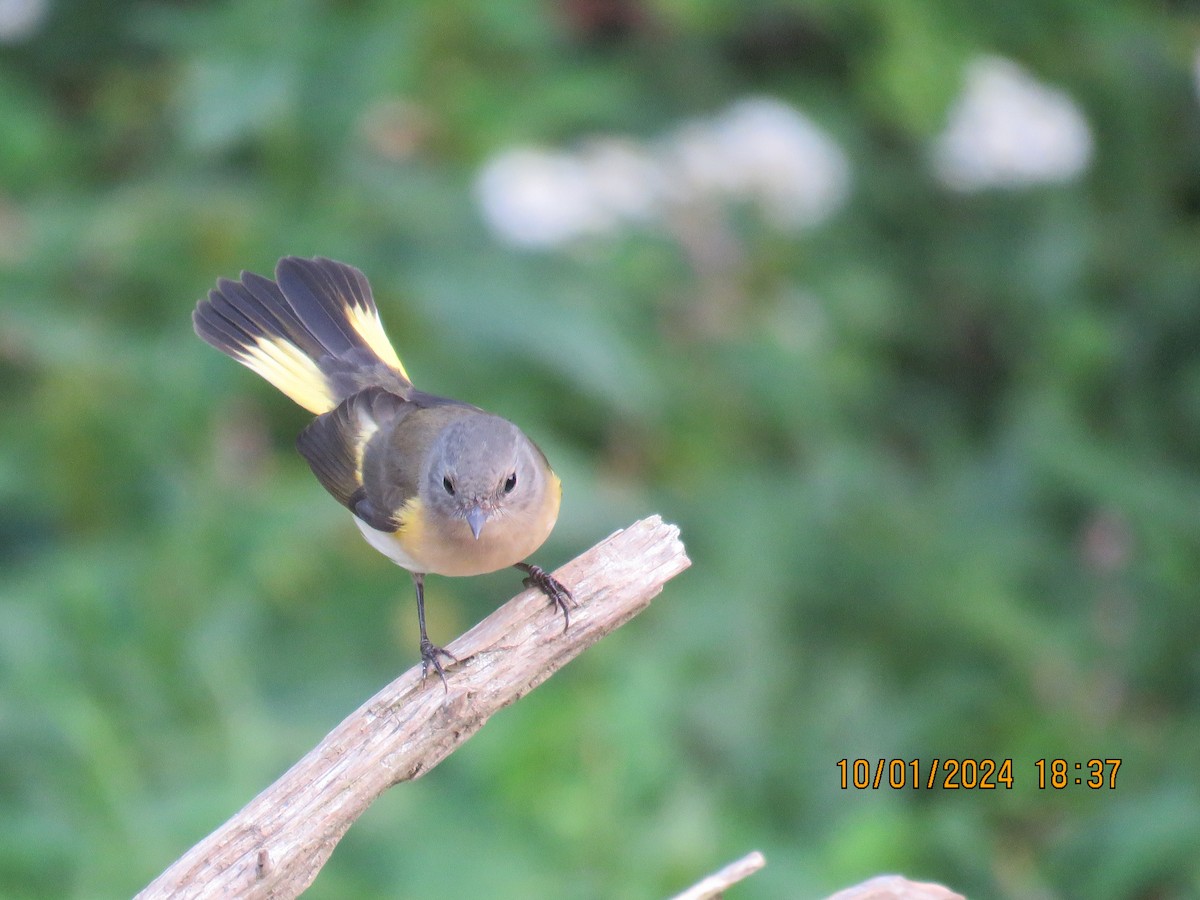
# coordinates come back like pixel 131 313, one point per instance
pixel 482 469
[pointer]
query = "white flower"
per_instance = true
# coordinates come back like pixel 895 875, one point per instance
pixel 539 198
pixel 760 151
pixel 1008 130
pixel 626 180
pixel 20 19
pixel 779 158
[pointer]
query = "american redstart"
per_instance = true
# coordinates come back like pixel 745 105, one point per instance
pixel 436 485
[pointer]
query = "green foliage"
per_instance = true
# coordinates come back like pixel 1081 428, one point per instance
pixel 935 460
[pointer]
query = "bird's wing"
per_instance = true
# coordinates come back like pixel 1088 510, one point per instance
pixel 335 444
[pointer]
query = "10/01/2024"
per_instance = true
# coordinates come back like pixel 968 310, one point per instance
pixel 972 774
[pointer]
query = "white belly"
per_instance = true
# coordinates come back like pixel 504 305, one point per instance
pixel 387 544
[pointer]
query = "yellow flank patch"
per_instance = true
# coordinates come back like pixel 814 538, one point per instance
pixel 367 324
pixel 284 366
pixel 412 522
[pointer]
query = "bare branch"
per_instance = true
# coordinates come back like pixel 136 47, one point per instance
pixel 278 843
pixel 718 882
pixel 896 887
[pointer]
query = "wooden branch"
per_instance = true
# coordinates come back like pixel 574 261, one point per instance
pixel 278 843
pixel 896 887
pixel 718 882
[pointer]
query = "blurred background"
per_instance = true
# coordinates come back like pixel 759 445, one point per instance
pixel 893 306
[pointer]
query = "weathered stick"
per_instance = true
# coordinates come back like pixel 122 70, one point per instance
pixel 895 887
pixel 716 884
pixel 276 845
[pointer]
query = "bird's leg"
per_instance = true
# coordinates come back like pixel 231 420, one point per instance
pixel 536 576
pixel 429 651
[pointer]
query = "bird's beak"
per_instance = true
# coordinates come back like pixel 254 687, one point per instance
pixel 475 518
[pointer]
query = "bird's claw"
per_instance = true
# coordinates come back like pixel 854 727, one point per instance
pixel 559 594
pixel 429 657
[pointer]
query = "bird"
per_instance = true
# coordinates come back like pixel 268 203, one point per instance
pixel 436 485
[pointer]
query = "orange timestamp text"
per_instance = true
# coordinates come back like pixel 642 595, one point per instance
pixel 972 774
pixel 947 774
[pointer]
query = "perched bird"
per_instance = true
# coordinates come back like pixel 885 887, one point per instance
pixel 436 485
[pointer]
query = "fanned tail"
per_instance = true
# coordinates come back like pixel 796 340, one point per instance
pixel 314 332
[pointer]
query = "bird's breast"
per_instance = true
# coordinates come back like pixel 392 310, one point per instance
pixel 447 546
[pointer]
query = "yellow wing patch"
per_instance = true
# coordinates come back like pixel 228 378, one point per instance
pixel 367 427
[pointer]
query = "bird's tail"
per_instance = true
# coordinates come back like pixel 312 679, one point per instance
pixel 314 332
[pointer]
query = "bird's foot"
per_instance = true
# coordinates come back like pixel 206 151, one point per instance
pixel 429 659
pixel 560 596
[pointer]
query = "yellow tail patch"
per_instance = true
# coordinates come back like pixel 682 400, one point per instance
pixel 366 323
pixel 291 371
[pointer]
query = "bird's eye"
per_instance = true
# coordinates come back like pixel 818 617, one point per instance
pixel 448 485
pixel 510 482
